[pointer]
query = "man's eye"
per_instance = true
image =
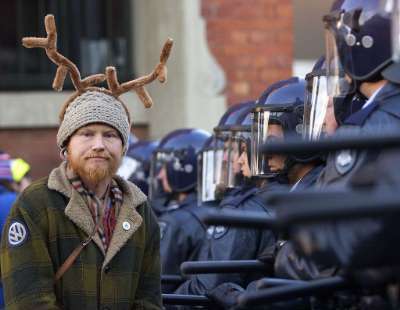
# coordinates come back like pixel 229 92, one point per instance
pixel 110 135
pixel 86 134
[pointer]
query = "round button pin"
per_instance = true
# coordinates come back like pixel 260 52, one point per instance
pixel 126 225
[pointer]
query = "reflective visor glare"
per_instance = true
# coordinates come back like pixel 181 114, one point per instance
pixel 233 166
pixel 153 185
pixel 221 159
pixel 394 7
pixel 157 162
pixel 317 104
pixel 128 167
pixel 332 64
pixel 218 166
pixel 259 134
pixel 207 180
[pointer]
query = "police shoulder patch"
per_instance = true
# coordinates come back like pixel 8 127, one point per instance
pixel 163 227
pixel 17 233
pixel 345 161
pixel 220 231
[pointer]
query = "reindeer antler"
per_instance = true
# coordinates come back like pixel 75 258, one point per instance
pixel 137 85
pixel 64 64
pixel 115 88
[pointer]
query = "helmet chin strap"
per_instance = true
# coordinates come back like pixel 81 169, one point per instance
pixel 346 105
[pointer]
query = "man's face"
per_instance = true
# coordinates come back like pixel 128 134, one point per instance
pixel 162 176
pixel 244 162
pixel 275 162
pixel 95 152
pixel 330 124
pixel 235 157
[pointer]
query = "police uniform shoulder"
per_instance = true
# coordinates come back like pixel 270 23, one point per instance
pixel 383 119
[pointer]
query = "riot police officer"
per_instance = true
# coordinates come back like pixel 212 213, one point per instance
pixel 174 164
pixel 280 117
pixel 359 62
pixel 232 133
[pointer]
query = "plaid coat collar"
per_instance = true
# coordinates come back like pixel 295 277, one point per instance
pixel 77 211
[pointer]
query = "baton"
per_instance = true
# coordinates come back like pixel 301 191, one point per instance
pixel 326 145
pixel 287 292
pixel 227 266
pixel 189 300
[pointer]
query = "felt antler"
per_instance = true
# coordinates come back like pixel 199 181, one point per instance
pixel 137 85
pixel 64 64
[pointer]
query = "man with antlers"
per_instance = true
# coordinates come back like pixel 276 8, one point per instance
pixel 83 238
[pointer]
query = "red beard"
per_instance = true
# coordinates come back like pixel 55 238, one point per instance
pixel 92 171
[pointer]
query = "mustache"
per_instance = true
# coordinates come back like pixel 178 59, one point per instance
pixel 98 155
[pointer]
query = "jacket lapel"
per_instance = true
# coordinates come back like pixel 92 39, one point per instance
pixel 128 221
pixel 76 209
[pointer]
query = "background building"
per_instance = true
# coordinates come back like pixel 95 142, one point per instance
pixel 225 52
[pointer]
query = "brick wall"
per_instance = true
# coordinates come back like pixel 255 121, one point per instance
pixel 253 42
pixel 38 146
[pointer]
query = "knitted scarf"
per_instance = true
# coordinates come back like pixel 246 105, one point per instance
pixel 109 208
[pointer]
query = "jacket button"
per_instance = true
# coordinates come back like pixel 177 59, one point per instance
pixel 106 269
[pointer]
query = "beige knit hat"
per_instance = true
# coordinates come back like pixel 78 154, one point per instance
pixel 91 104
pixel 93 107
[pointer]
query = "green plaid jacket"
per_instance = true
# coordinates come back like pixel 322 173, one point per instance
pixel 47 223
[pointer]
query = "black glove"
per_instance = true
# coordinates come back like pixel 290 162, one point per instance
pixel 291 265
pixel 225 295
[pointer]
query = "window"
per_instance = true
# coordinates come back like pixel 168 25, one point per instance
pixel 92 33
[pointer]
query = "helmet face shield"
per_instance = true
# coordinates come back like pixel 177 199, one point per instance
pixel 234 174
pixel 227 150
pixel 393 6
pixel 221 154
pixel 259 136
pixel 338 84
pixel 315 106
pixel 128 167
pixel 205 183
pixel 158 162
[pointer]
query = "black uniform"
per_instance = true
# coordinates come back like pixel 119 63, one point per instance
pixel 182 234
pixel 228 243
pixel 287 263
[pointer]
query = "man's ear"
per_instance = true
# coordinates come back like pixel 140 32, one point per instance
pixel 64 154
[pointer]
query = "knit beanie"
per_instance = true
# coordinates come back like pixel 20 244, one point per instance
pixel 93 107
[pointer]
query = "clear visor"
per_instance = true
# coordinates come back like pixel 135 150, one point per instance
pixel 227 169
pixel 221 151
pixel 338 84
pixel 234 173
pixel 259 136
pixel 128 167
pixel 315 108
pixel 206 185
pixel 393 6
pixel 158 161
